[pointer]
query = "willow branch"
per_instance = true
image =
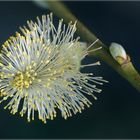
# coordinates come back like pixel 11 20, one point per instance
pixel 126 70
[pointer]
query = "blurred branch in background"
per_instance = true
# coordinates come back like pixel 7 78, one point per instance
pixel 124 67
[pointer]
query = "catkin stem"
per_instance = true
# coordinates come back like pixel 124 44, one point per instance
pixel 127 71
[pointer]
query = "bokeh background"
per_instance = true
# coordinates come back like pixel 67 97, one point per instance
pixel 116 113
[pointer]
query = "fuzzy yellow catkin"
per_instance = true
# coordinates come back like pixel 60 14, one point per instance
pixel 40 71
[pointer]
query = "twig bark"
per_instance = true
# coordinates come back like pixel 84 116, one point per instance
pixel 127 71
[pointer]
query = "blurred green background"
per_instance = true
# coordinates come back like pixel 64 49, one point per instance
pixel 116 113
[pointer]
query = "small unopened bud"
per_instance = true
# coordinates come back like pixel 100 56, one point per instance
pixel 42 3
pixel 118 53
